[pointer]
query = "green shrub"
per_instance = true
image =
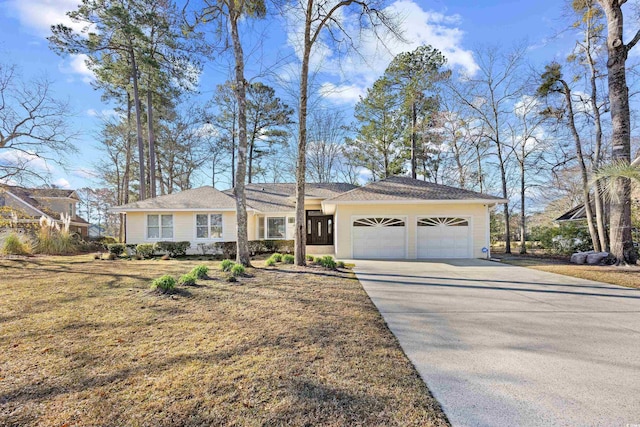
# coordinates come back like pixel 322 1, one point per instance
pixel 277 257
pixel 270 262
pixel 227 265
pixel 340 264
pixel 116 248
pixel 200 271
pixel 565 239
pixel 327 261
pixel 309 258
pixel 112 257
pixel 317 259
pixel 14 244
pixel 145 250
pixel 288 259
pixel 165 283
pixel 105 240
pixel 174 249
pixel 187 279
pixel 237 270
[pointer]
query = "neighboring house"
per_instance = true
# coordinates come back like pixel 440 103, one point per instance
pixel 96 230
pixel 398 217
pixel 33 203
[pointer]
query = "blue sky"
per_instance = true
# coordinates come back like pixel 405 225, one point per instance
pixel 454 26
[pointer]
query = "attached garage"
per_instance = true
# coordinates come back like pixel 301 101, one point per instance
pixel 443 237
pixel 405 218
pixel 379 237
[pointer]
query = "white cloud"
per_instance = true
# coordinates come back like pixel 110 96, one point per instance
pixel 357 71
pixel 77 64
pixel 347 94
pixel 109 112
pixel 62 183
pixel 85 173
pixel 39 15
pixel 28 160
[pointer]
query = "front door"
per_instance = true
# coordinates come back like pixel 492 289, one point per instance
pixel 319 229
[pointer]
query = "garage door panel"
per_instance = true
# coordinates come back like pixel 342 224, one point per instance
pixel 443 237
pixel 379 237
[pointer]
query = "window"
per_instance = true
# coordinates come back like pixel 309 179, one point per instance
pixel 209 226
pixel 378 222
pixel 261 228
pixel 71 209
pixel 160 226
pixel 443 221
pixel 276 228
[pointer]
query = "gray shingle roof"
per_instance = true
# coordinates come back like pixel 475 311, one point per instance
pixel 281 197
pixel 405 188
pixel 205 197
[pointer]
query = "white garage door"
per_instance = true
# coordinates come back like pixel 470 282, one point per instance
pixel 379 237
pixel 444 237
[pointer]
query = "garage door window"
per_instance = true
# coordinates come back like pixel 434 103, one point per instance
pixel 447 221
pixel 378 222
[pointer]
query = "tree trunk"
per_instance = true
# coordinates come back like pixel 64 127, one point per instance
pixel 523 217
pixel 620 226
pixel 136 99
pixel 505 195
pixel 593 232
pixel 242 256
pixel 414 143
pixel 301 164
pixel 597 156
pixel 152 146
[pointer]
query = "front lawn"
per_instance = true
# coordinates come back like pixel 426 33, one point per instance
pixel 623 275
pixel 84 342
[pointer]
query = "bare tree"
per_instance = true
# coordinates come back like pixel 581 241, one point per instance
pixel 327 133
pixel 33 127
pixel 491 95
pixel 319 17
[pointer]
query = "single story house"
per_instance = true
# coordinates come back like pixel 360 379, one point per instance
pixel 396 218
pixel 33 203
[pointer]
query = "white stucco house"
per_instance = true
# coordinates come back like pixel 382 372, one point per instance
pixel 395 218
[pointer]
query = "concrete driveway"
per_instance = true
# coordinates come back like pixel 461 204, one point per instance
pixel 509 346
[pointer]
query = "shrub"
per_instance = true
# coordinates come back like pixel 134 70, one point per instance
pixel 270 262
pixel 187 279
pixel 112 257
pixel 227 265
pixel 565 239
pixel 232 279
pixel 340 264
pixel 309 258
pixel 97 256
pixel 116 248
pixel 145 250
pixel 200 271
pixel 174 249
pixel 165 283
pixel 237 270
pixel 288 259
pixel 327 261
pixel 277 257
pixel 14 244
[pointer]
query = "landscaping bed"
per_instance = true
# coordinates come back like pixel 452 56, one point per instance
pixel 628 276
pixel 86 342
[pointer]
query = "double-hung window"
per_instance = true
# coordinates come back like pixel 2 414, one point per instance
pixel 276 228
pixel 209 226
pixel 160 226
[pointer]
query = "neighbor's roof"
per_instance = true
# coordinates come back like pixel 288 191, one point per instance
pixel 30 197
pixel 281 197
pixel 205 197
pixel 401 188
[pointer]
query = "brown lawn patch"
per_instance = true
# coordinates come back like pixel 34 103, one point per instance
pixel 623 275
pixel 84 343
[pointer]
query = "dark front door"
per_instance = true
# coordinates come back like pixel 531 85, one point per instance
pixel 319 229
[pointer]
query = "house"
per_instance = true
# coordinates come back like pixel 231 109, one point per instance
pixel 32 203
pixel 397 217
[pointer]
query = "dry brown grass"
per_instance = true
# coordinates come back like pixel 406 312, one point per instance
pixel 85 343
pixel 623 275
